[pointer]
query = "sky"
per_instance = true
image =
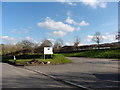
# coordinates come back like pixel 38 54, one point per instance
pixel 35 21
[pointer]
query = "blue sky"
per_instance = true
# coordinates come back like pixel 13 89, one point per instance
pixel 35 21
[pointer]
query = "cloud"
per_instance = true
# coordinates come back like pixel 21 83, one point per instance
pixel 105 38
pixel 21 31
pixel 68 2
pixel 51 39
pixel 58 33
pixel 71 3
pixel 84 23
pixel 103 5
pixel 71 44
pixel 68 44
pixel 12 40
pixel 109 38
pixel 89 38
pixel 58 26
pixel 94 3
pixel 70 21
pixel 28 38
pixel 9 40
pixel 80 44
pixel 31 39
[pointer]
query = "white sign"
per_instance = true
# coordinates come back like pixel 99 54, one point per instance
pixel 14 58
pixel 48 50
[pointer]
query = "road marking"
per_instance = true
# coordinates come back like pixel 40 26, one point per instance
pixel 57 79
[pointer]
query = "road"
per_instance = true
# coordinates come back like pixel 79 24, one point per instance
pixel 0 75
pixel 15 77
pixel 89 72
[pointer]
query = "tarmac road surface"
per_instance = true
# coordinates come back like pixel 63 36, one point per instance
pixel 89 72
pixel 15 77
pixel 0 76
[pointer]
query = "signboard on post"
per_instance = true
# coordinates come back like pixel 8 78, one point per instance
pixel 48 50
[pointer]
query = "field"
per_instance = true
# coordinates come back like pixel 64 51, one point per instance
pixel 108 53
pixel 23 59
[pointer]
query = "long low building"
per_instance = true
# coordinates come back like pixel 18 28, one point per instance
pixel 90 47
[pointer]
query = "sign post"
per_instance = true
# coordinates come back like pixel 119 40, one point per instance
pixel 44 56
pixel 48 50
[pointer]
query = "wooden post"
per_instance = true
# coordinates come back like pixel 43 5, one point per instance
pixel 44 56
pixel 51 55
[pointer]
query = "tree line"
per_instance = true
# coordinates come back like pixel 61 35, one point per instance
pixel 27 46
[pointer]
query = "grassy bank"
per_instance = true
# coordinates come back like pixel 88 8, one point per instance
pixel 109 53
pixel 56 59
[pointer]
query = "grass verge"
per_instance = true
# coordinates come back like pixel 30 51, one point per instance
pixel 56 59
pixel 109 53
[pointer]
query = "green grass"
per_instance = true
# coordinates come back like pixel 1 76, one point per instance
pixel 57 59
pixel 0 58
pixel 109 53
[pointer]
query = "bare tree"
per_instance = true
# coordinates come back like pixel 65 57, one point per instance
pixel 8 48
pixel 37 48
pixel 19 46
pixel 76 42
pixel 3 49
pixel 26 44
pixel 46 43
pixel 118 36
pixel 97 38
pixel 0 49
pixel 58 45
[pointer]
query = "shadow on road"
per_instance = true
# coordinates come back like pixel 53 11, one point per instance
pixel 96 80
pixel 34 81
pixel 108 76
